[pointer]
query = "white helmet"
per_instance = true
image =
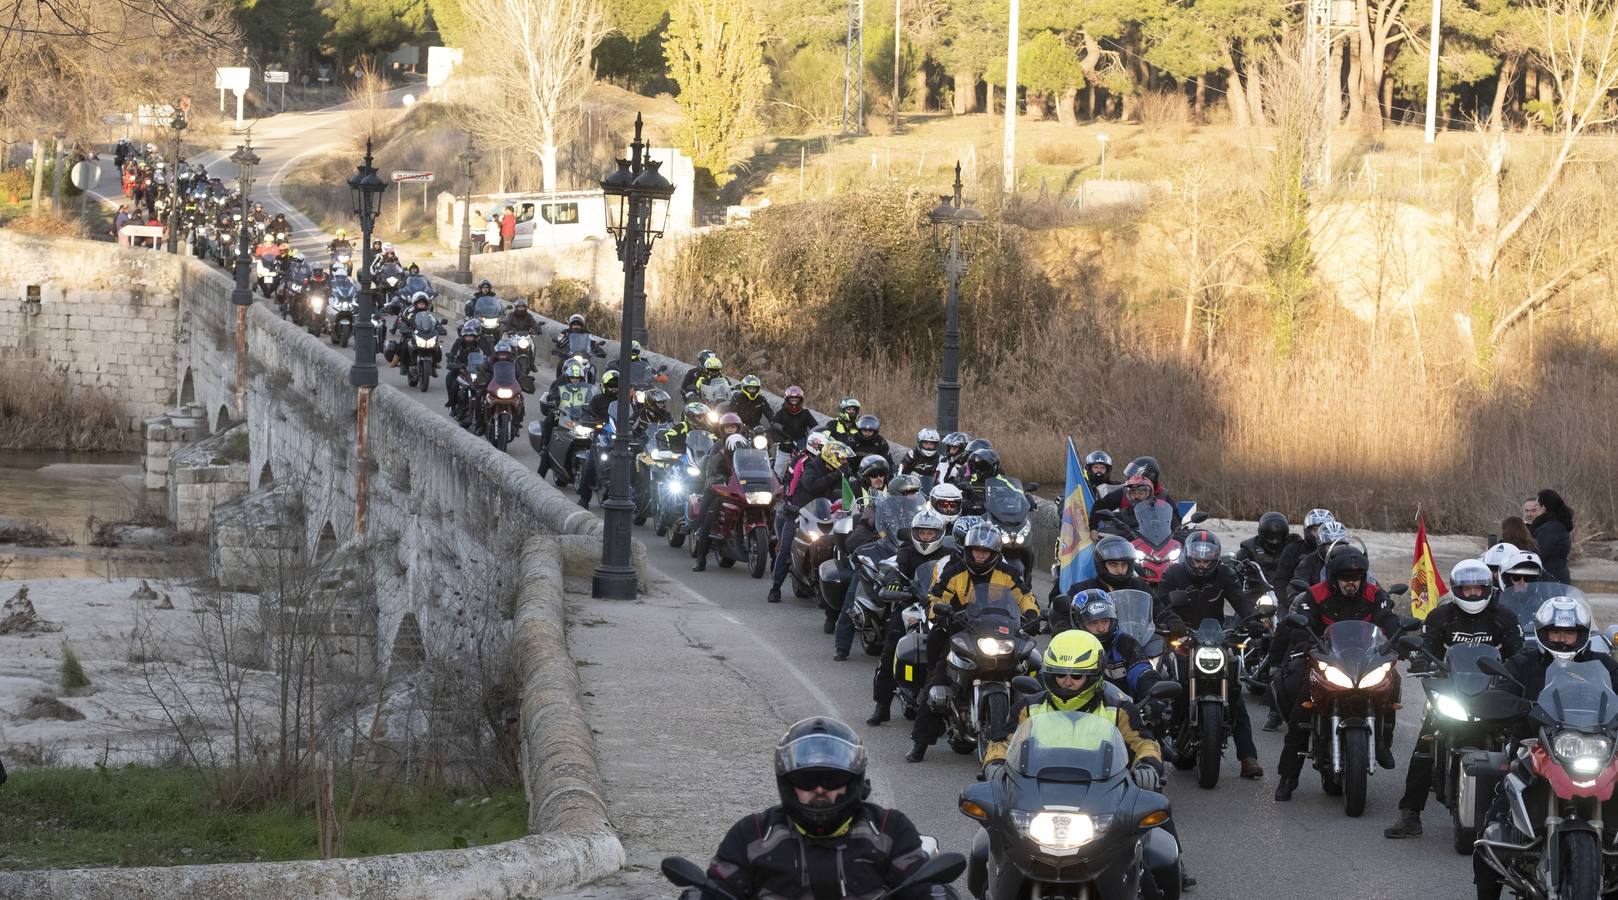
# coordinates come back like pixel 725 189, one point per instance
pixel 1496 555
pixel 945 499
pixel 1563 612
pixel 1471 573
pixel 816 441
pixel 923 438
pixel 1524 563
pixel 387 246
pixel 1331 532
pixel 926 518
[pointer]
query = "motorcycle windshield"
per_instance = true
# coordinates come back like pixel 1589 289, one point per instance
pixel 717 392
pixel 1354 647
pixel 994 610
pixel 926 575
pixel 1210 633
pixel 424 323
pixel 1006 505
pixel 1134 614
pixel 1465 674
pixel 1072 747
pixel 1155 521
pixel 699 444
pixel 752 466
pixel 504 373
pixel 1525 600
pixel 893 515
pixel 488 308
pixel 474 361
pixel 1578 695
pixel 578 342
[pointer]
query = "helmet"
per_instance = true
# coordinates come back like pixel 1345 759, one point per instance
pixel 1113 548
pixel 904 485
pixel 1138 481
pixel 1202 552
pixel 984 464
pixel 820 752
pixel 977 444
pixel 1315 518
pixel 815 441
pixel 1471 573
pixel 656 399
pixel 1563 613
pixel 712 365
pixel 702 356
pixel 573 371
pixel 1331 532
pixel 926 530
pixel 635 348
pixel 1099 458
pixel 735 442
pixel 793 396
pixel 955 442
pixel 751 385
pixel 609 379
pixel 483 285
pixel 869 423
pixel 731 419
pixel 696 414
pixel 520 305
pixel 945 499
pixel 986 537
pixel 1273 530
pixel 469 328
pixel 342 233
pixel 420 296
pixel 1094 605
pixel 1520 566
pixel 1350 565
pixel 874 465
pixel 927 442
pixel 575 319
pixel 847 407
pixel 415 269
pixel 1144 465
pixel 1496 556
pixel 504 346
pixel 1075 654
pixel 835 453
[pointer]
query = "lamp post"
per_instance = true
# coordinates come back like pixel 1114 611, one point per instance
pixel 949 219
pixel 637 198
pixel 366 189
pixel 468 161
pixel 242 297
pixel 178 124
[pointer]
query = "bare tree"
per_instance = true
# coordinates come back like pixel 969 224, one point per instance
pixel 528 67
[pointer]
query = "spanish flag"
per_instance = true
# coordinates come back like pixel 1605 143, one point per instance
pixel 1426 585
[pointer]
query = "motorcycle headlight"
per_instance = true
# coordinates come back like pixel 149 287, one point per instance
pixel 317 302
pixel 1335 675
pixel 760 498
pixel 674 487
pixel 490 323
pixel 811 535
pixel 1266 604
pixel 1210 660
pixel 713 417
pixel 760 442
pixel 1059 830
pixel 989 646
pixel 504 393
pixel 1174 554
pixel 1585 754
pixel 1449 707
pixel 603 457
pixel 1376 676
pixel 581 431
pixel 423 342
pixel 523 343
pixel 693 470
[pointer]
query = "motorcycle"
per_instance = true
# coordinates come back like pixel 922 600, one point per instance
pixel 742 529
pixel 315 298
pixel 683 478
pixel 570 439
pixel 603 449
pixel 1559 789
pixel 469 386
pixel 988 650
pixel 910 653
pixel 1203 722
pixel 522 343
pixel 1156 539
pixel 1063 818
pixel 502 405
pixel 421 350
pixel 289 296
pixel 1523 601
pixel 340 311
pixel 580 346
pixel 266 273
pixel 882 585
pixel 655 467
pixel 1253 644
pixel 812 546
pixel 1007 508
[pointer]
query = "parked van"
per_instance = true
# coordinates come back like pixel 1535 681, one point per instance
pixel 562 217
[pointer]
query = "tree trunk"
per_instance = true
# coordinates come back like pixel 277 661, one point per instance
pixel 1334 99
pixel 39 178
pixel 57 179
pixel 1065 112
pixel 966 93
pixel 1126 106
pixel 1090 101
pixel 1234 94
pixel 1199 100
pixel 1034 103
pixel 547 166
pixel 1356 101
pixel 918 89
pixel 1255 87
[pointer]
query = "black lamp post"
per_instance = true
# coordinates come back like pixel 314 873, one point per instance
pixel 949 219
pixel 366 189
pixel 468 161
pixel 637 199
pixel 178 124
pixel 245 159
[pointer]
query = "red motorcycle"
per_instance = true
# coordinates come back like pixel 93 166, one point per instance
pixel 743 528
pixel 1154 534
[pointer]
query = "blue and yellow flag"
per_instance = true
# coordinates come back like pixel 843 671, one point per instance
pixel 1073 554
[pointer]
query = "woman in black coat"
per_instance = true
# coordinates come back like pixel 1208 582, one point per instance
pixel 1553 530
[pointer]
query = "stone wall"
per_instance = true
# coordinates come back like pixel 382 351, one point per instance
pixel 105 316
pixel 594 262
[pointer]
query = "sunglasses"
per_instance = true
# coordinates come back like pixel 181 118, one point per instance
pixel 810 780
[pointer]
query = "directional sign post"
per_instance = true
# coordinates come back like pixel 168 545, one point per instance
pixel 281 78
pixel 425 178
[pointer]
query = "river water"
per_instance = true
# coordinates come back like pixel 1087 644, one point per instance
pixel 64 492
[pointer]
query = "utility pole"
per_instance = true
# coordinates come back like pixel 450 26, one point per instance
pixel 898 31
pixel 854 70
pixel 1432 77
pixel 1320 38
pixel 1010 164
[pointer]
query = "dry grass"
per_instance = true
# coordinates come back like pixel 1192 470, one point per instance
pixel 29 533
pixel 45 412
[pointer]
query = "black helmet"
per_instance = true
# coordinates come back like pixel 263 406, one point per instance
pixel 484 285
pixel 874 465
pixel 1202 552
pixel 657 400
pixel 983 463
pixel 1273 530
pixel 955 442
pixel 1143 465
pixel 820 752
pixel 1348 563
pixel 978 444
pixel 987 537
pixel 869 423
pixel 1098 458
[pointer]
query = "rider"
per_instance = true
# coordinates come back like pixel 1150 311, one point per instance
pixel 455 361
pixel 1470 617
pixel 689 383
pixel 922 460
pixel 870 484
pixel 1347 594
pixel 1197 587
pixel 338 242
pixel 712 369
pixel 927 531
pixel 981 564
pixel 1311 568
pixel 953 459
pixel 946 500
pixel 716 470
pixel 485 289
pixel 821 476
pixel 695 419
pixel 1288 563
pixel 868 439
pixel 1098 470
pixel 520 319
pixel 824 839
pixel 792 421
pixel 1118 501
pixel 1126 664
pixel 280 226
pixel 1115 571
pixel 571 390
pixel 845 427
pixel 1520 569
pixel 749 403
pixel 603 406
pixel 404 325
pixel 1267 547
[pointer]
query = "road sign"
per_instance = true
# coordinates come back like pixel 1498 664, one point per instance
pixel 86 174
pixel 233 78
pixel 117 119
pixel 411 176
pixel 271 77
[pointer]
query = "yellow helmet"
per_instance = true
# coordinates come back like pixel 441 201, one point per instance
pixel 1075 653
pixel 835 453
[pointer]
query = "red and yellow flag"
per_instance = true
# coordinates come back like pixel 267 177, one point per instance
pixel 1426 585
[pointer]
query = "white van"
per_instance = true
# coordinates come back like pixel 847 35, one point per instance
pixel 562 217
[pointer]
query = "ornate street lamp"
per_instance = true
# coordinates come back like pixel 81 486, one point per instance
pixel 246 160
pixel 949 219
pixel 637 200
pixel 366 189
pixel 468 160
pixel 178 125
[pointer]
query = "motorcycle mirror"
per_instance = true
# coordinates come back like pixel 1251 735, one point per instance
pixel 1399 589
pixel 1490 666
pixel 1409 624
pixel 941 869
pixel 1024 684
pixel 1296 619
pixel 1408 643
pixel 1200 517
pixel 1030 486
pixel 683 872
pixel 1164 690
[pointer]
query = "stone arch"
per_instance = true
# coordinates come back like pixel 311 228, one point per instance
pixel 188 389
pixel 266 476
pixel 409 650
pixel 221 419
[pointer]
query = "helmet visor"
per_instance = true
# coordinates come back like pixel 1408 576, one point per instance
pixel 820 751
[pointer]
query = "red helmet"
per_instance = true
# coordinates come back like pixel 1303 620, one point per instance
pixel 729 419
pixel 794 396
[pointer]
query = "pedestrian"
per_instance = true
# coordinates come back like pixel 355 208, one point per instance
pixel 491 235
pixel 119 220
pixel 480 227
pixel 153 222
pixel 508 228
pixel 1551 520
pixel 1514 531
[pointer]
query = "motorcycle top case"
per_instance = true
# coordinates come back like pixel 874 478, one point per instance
pixel 910 660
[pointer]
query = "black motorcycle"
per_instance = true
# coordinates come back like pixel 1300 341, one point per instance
pixel 469 382
pixel 910 653
pixel 420 350
pixel 1202 722
pixel 682 480
pixel 881 584
pixel 988 649
pixel 570 438
pixel 1008 509
pixel 812 545
pixel 340 311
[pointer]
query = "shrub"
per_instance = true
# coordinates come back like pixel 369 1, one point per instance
pixel 73 677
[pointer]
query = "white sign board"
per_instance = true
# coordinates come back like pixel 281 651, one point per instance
pixel 86 174
pixel 275 77
pixel 411 176
pixel 233 78
pixel 441 61
pixel 154 115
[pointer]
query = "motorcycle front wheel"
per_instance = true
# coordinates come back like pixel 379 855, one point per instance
pixel 501 433
pixel 991 720
pixel 1211 741
pixel 1356 770
pixel 424 373
pixel 758 551
pixel 1579 869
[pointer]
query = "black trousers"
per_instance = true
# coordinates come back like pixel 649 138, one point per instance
pixel 1419 775
pixel 882 683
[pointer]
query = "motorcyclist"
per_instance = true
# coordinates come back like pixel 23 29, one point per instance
pixel 824 839
pixel 870 484
pixel 1562 628
pixel 953 458
pixel 1098 471
pixel 1496 556
pixel 820 476
pixel 258 216
pixel 603 406
pixel 694 418
pixel 404 325
pixel 1126 664
pixel 792 421
pixel 383 258
pixel 1347 594
pixel 922 459
pixel 984 466
pixel 520 319
pixel 845 427
pixel 571 390
pixel 1288 563
pixel 926 543
pixel 455 360
pixel 1469 616
pixel 1119 501
pixel 981 563
pixel 1199 586
pixel 946 500
pixel 689 383
pixel 748 402
pixel 712 369
pixel 1266 547
pixel 415 282
pixel 1520 569
pixel 280 227
pixel 503 352
pixel 1115 571
pixel 652 410
pixel 485 289
pixel 716 470
pixel 1311 568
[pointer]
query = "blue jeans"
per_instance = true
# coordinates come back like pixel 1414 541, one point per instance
pixel 783 553
pixel 843 638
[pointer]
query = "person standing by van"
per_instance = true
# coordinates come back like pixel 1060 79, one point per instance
pixel 508 228
pixel 480 230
